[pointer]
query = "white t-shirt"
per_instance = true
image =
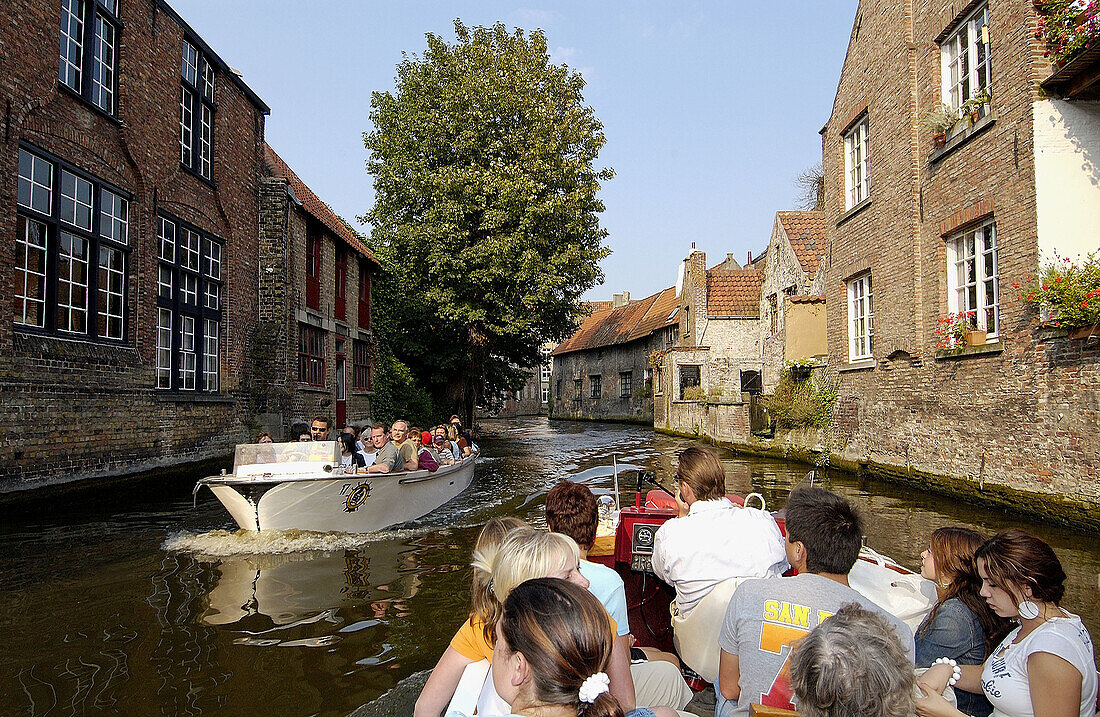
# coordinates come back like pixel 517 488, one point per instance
pixel 1004 678
pixel 716 541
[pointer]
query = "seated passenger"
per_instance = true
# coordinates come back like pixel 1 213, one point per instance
pixel 1046 665
pixel 571 510
pixel 824 535
pixel 525 553
pixel 712 540
pixel 299 431
pixel 852 664
pixel 320 428
pixel 454 432
pixel 425 459
pixel 387 459
pixel 349 456
pixel 399 435
pixel 961 625
pixel 552 652
pixel 445 455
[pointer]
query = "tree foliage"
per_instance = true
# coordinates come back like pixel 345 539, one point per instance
pixel 485 210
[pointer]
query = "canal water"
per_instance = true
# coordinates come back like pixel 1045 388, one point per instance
pixel 132 601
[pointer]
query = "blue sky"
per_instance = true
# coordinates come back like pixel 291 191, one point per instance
pixel 711 109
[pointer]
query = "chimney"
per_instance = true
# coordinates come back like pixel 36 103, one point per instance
pixel 750 257
pixel 729 257
pixel 693 246
pixel 619 300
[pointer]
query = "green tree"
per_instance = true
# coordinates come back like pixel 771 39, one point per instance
pixel 485 207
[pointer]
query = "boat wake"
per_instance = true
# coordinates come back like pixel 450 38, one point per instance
pixel 226 543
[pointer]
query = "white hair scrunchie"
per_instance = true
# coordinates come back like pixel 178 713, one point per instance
pixel 593 687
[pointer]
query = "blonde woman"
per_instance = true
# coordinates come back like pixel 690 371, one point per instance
pixel 524 554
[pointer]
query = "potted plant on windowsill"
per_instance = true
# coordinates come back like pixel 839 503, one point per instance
pixel 959 329
pixel 974 105
pixel 939 121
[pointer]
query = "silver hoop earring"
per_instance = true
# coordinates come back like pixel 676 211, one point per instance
pixel 1028 610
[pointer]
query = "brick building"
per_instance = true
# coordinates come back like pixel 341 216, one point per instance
pixel 918 230
pixel 314 345
pixel 531 400
pixel 603 370
pixel 128 178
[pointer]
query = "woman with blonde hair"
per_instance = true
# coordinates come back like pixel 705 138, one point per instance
pixel 552 652
pixel 523 554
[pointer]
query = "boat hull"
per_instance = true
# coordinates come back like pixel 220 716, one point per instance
pixel 357 503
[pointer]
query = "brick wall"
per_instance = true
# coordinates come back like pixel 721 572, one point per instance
pixel 79 408
pixel 607 362
pixel 1021 411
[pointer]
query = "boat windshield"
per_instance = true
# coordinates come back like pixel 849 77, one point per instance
pixel 307 456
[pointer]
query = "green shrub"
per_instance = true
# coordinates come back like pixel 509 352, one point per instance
pixel 801 401
pixel 1070 292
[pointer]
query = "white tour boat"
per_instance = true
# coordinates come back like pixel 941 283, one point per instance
pixel 279 486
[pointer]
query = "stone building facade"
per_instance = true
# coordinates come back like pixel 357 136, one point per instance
pixel 792 325
pixel 718 356
pixel 603 371
pixel 917 231
pixel 531 400
pixel 128 177
pixel 314 343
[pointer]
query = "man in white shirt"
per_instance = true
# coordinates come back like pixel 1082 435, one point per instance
pixel 712 540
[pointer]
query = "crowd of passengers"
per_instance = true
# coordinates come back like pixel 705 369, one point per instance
pixel 398 447
pixel 554 625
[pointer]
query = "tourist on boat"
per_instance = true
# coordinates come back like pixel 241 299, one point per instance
pixel 299 431
pixel 387 458
pixel 399 435
pixel 824 535
pixel 962 626
pixel 319 429
pixel 349 456
pixel 264 437
pixel 1045 666
pixel 552 653
pixel 425 458
pixel 571 510
pixel 712 540
pixel 852 664
pixel 460 437
pixel 355 431
pixel 443 447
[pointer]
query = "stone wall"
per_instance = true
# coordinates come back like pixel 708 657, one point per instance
pixel 78 407
pixel 609 363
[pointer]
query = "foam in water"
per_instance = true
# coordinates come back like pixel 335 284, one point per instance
pixel 224 543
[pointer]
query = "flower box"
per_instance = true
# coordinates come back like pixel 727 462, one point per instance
pixel 975 337
pixel 1085 332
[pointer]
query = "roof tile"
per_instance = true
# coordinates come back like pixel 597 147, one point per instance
pixel 606 326
pixel 313 205
pixel 806 231
pixel 734 292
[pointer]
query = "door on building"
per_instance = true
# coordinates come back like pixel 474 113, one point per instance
pixel 341 388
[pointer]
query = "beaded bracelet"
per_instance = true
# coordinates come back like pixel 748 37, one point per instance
pixel 956 672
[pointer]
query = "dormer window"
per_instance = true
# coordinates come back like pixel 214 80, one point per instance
pixel 196 111
pixel 88 62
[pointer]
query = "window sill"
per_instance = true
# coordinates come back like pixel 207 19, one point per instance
pixel 312 389
pixel 89 104
pixel 205 180
pixel 995 347
pixel 962 138
pixel 860 365
pixel 853 211
pixel 164 396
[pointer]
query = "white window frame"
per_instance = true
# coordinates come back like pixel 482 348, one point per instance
pixel 72 36
pixel 111 291
pixel 188 353
pixel 164 348
pixel 861 318
pixel 973 276
pixel 30 288
pixel 72 290
pixel 103 65
pixel 211 357
pixel 965 61
pixel 855 164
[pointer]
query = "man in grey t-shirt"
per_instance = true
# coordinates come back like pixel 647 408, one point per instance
pixel 387 458
pixel 767 616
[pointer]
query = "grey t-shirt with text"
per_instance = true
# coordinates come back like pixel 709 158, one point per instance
pixel 766 617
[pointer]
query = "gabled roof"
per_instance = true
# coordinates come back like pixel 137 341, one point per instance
pixel 806 232
pixel 313 205
pixel 734 293
pixel 606 326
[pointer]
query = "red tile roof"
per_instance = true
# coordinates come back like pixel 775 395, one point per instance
pixel 606 326
pixel 313 205
pixel 734 292
pixel 806 233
